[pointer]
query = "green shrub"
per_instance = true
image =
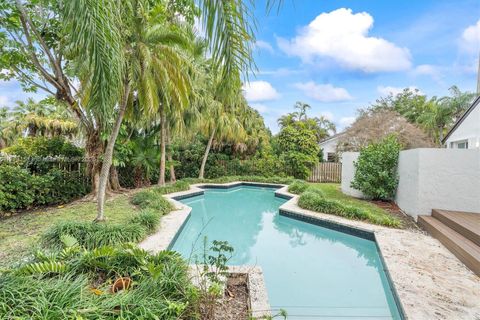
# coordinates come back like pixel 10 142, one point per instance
pixel 298 149
pixel 376 169
pixel 148 219
pixel 32 151
pixel 312 200
pixel 174 187
pixel 298 187
pixel 22 190
pixel 17 189
pixel 150 199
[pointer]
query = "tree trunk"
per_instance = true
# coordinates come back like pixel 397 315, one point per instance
pixel 93 150
pixel 440 135
pixel 163 140
pixel 114 182
pixel 170 158
pixel 172 168
pixel 108 155
pixel 205 156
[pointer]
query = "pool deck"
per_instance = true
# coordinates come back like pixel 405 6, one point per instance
pixel 431 283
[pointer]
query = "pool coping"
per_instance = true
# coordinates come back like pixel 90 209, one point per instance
pixel 385 239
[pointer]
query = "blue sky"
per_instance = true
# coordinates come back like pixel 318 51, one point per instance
pixel 339 56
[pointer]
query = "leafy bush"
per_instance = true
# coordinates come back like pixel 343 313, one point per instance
pixel 312 200
pixel 298 150
pixel 33 151
pixel 297 187
pixel 376 169
pixel 22 190
pixel 151 199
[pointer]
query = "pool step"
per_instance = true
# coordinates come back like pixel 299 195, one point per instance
pixel 463 248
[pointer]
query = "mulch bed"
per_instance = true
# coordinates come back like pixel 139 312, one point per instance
pixel 234 305
pixel 392 208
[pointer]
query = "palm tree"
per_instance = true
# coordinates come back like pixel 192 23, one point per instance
pixel 220 121
pixel 302 110
pixel 45 118
pixel 104 43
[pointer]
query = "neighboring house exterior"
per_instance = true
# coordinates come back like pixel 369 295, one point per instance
pixel 465 134
pixel 329 148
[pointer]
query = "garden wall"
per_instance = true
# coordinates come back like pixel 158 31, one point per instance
pixel 430 178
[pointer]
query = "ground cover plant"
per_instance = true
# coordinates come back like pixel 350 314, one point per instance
pixel 92 235
pixel 108 282
pixel 327 198
pixel 298 187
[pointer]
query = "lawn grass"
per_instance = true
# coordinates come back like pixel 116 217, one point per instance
pixel 20 234
pixel 332 191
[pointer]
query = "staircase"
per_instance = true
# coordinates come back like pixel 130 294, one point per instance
pixel 459 232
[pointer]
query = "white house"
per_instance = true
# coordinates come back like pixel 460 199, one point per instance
pixel 465 134
pixel 329 148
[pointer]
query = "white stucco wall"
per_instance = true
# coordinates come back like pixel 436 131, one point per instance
pixel 468 130
pixel 431 178
pixel 348 171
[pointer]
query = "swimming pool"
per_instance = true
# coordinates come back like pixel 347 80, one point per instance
pixel 310 271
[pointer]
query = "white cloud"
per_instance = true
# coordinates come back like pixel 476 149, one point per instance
pixel 256 91
pixel 264 45
pixel 343 37
pixel 259 107
pixel 346 121
pixel 427 70
pixel 385 91
pixel 281 72
pixel 4 101
pixel 470 40
pixel 323 92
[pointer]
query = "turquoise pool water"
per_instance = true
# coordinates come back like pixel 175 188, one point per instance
pixel 310 271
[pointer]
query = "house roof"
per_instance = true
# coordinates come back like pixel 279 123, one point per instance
pixel 334 137
pixel 475 103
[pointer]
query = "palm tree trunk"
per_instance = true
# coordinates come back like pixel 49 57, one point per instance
pixel 93 151
pixel 440 135
pixel 163 131
pixel 108 155
pixel 170 159
pixel 205 156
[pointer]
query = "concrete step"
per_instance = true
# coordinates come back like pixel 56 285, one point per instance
pixel 465 250
pixel 465 223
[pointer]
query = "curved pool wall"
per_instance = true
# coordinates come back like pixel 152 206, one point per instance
pixel 312 269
